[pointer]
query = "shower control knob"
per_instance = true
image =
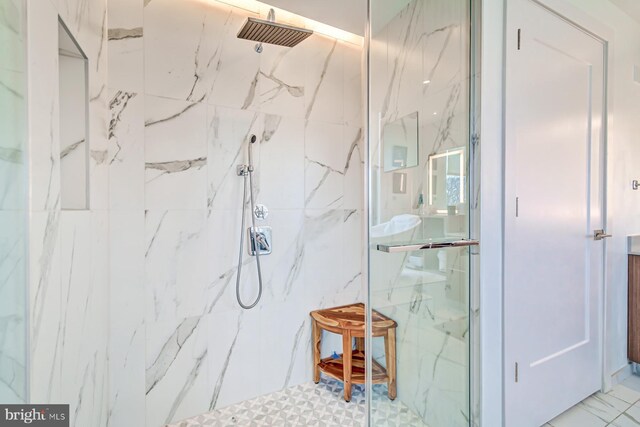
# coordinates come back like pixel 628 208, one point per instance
pixel 261 212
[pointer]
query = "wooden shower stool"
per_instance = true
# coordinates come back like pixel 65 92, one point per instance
pixel 349 321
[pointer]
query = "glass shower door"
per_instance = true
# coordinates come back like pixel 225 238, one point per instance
pixel 419 209
pixel 13 204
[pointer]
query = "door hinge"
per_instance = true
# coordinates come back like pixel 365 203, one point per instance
pixel 517 207
pixel 516 372
pixel 519 38
pixel 475 139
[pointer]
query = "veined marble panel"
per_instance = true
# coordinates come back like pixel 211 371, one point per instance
pixel 44 134
pixel 353 139
pixel 45 295
pixel 127 324
pixel 192 53
pixel 288 358
pixel 13 309
pixel 177 366
pixel 281 163
pixel 126 151
pixel 326 163
pixel 233 351
pixel 69 253
pixel 175 154
pixel 324 79
pixel 99 121
pixel 13 129
pixel 323 231
pixel 352 92
pixel 69 356
pixel 280 270
pixel 228 136
pixel 280 86
pixel 175 264
pixel 126 47
pixel 353 255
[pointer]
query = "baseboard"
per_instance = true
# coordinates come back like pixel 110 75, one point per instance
pixel 620 375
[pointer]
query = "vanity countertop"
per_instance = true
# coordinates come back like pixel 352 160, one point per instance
pixel 633 245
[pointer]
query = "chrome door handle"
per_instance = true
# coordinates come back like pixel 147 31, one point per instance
pixel 600 235
pixel 429 245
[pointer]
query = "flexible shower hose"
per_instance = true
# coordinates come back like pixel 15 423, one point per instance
pixel 248 175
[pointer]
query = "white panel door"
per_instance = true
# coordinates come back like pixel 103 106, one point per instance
pixel 553 203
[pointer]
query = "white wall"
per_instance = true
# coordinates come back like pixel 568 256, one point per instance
pixel 623 204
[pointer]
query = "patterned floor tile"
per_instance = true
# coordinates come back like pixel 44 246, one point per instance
pixel 309 404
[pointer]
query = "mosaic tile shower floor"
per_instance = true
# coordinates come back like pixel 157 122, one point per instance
pixel 309 404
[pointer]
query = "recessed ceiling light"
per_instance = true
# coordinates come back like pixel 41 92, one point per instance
pixel 426 82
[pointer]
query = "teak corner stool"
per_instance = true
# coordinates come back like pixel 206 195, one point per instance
pixel 349 367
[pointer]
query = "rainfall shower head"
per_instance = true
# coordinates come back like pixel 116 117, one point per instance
pixel 271 32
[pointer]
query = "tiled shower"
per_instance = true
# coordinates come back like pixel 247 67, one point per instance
pixel 131 314
pixel 179 127
pixel 133 298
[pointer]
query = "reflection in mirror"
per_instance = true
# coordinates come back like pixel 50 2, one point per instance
pixel 400 140
pixel 399 183
pixel 74 100
pixel 447 182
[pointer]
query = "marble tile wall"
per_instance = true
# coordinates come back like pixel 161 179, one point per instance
pixel 69 250
pixel 185 94
pixel 13 202
pixel 420 63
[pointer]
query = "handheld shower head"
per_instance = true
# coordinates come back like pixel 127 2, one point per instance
pixel 252 140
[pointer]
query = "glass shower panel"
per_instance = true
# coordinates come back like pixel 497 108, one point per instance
pixel 13 203
pixel 419 246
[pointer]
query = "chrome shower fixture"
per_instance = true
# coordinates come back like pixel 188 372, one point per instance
pixel 271 32
pixel 259 238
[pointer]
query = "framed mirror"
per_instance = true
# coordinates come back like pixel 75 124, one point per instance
pixel 447 181
pixel 400 142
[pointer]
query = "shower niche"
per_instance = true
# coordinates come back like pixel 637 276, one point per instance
pixel 74 129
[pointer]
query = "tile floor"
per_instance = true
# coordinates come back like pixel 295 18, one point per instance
pixel 310 405
pixel 322 405
pixel 618 408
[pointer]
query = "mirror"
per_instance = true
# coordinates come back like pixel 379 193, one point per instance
pixel 400 142
pixel 74 104
pixel 447 181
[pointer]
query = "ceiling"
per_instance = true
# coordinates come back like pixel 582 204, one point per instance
pixel 351 15
pixel 348 15
pixel 631 7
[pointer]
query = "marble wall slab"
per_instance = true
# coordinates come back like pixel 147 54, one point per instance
pixel 180 125
pixel 128 218
pixel 13 203
pixel 69 250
